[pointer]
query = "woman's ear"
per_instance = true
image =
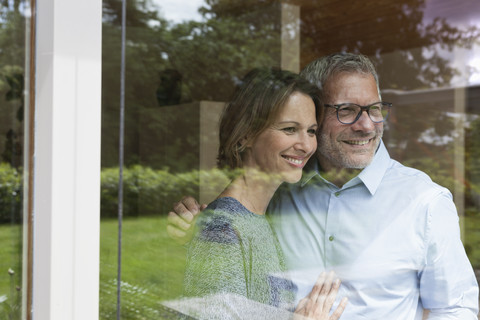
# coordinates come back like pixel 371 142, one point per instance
pixel 244 143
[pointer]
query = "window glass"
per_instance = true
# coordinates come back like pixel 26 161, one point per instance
pixel 183 61
pixel 13 72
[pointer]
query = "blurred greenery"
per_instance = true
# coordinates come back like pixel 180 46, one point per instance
pixel 12 60
pixel 10 271
pixel 149 192
pixel 176 64
pixel 10 194
pixel 179 64
pixel 152 264
pixel 152 267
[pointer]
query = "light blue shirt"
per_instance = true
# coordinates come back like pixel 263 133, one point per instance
pixel 390 234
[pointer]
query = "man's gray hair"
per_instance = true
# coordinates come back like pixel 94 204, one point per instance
pixel 321 70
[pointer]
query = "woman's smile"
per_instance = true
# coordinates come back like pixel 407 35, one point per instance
pixel 284 148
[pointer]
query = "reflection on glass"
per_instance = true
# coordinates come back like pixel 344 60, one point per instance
pixel 12 104
pixel 268 131
pixel 181 71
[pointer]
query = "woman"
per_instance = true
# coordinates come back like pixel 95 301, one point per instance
pixel 267 134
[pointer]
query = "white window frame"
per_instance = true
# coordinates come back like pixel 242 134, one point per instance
pixel 66 160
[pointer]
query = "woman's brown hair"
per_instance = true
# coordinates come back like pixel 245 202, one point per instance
pixel 254 107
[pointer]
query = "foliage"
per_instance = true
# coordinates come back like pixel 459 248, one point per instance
pixel 12 60
pixel 472 164
pixel 172 64
pixel 472 239
pixel 417 42
pixel 143 64
pixel 436 170
pixel 236 44
pixel 10 194
pixel 177 63
pixel 148 191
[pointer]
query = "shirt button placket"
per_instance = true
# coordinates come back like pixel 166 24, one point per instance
pixel 331 228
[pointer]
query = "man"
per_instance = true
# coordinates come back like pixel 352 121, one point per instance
pixel 388 231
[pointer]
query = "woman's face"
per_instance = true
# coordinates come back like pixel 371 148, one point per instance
pixel 284 148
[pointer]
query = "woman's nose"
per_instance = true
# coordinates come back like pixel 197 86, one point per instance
pixel 306 143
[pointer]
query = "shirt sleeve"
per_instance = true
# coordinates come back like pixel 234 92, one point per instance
pixel 448 287
pixel 215 261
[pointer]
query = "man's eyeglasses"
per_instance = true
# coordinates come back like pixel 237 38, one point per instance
pixel 349 113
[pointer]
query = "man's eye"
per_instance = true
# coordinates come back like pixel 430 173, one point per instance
pixel 347 110
pixel 375 110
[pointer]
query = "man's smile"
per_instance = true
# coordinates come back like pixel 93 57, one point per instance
pixel 358 142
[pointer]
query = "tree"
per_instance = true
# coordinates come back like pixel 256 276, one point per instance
pixel 177 64
pixel 12 59
pixel 197 60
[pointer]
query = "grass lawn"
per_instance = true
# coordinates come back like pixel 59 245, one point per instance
pixel 10 259
pixel 152 267
pixel 152 264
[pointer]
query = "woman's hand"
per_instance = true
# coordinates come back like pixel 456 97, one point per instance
pixel 318 303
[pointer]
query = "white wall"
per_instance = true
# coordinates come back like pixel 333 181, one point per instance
pixel 67 159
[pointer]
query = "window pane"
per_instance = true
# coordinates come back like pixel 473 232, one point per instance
pixel 183 61
pixel 13 73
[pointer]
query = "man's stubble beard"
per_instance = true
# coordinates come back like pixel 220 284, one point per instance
pixel 338 158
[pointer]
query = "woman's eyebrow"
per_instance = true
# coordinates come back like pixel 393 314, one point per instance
pixel 288 121
pixel 296 122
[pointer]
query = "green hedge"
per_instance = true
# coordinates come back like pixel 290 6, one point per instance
pixel 150 192
pixel 10 194
pixel 146 191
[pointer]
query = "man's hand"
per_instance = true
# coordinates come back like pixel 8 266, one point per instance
pixel 318 303
pixel 182 219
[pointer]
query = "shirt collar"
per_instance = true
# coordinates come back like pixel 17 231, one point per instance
pixel 371 176
pixel 310 170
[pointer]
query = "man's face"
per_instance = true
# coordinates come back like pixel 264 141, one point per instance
pixel 349 145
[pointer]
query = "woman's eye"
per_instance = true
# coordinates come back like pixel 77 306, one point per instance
pixel 312 131
pixel 289 129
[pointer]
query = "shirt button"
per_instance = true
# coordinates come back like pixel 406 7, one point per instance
pixel 337 194
pixel 331 238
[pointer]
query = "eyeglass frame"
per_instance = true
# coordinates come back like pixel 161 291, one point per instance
pixel 362 108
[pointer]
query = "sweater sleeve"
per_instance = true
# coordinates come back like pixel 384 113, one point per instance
pixel 215 261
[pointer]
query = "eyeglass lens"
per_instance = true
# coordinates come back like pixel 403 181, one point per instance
pixel 348 113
